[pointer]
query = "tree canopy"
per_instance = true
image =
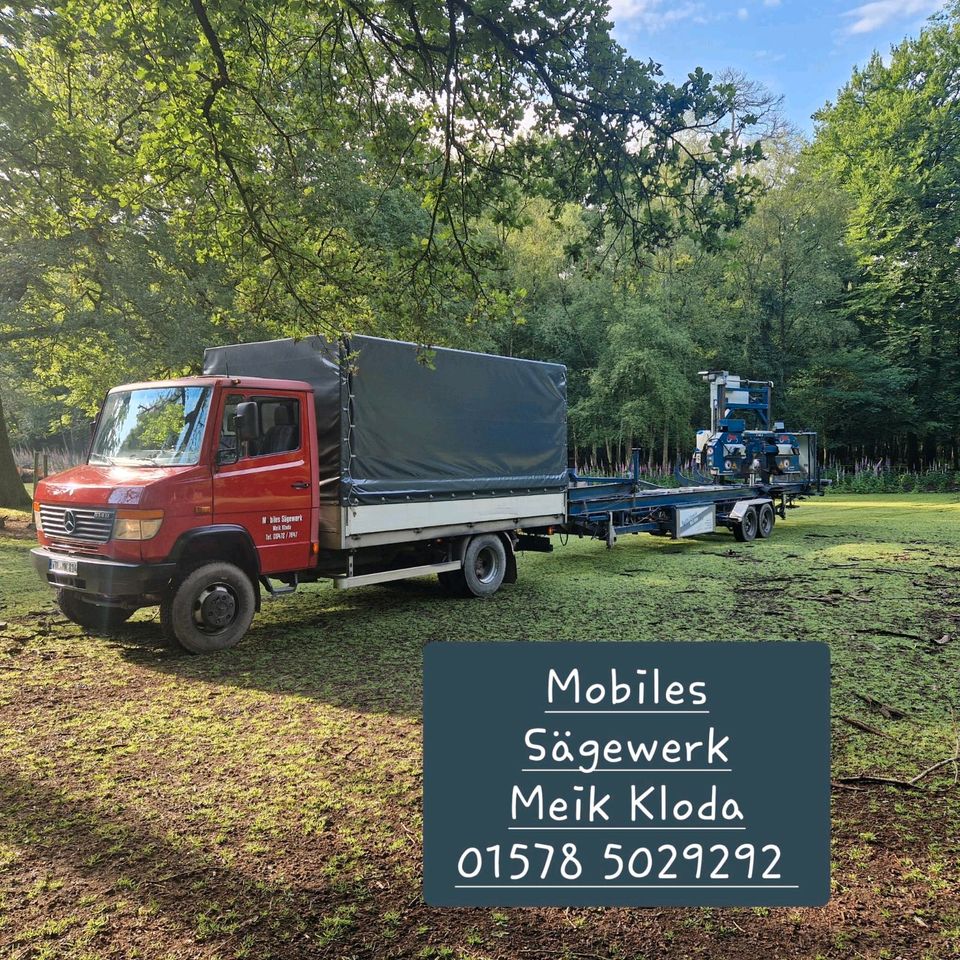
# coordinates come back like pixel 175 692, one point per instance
pixel 496 176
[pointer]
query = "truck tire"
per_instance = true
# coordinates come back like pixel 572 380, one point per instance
pixel 766 520
pixel 746 529
pixel 484 567
pixel 210 609
pixel 93 616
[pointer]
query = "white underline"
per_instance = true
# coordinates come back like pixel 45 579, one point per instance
pixel 627 770
pixel 669 827
pixel 626 711
pixel 627 886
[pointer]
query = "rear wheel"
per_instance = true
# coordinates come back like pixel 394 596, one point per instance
pixel 93 616
pixel 210 609
pixel 765 521
pixel 484 567
pixel 746 529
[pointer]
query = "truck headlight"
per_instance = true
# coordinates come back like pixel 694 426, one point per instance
pixel 137 524
pixel 36 517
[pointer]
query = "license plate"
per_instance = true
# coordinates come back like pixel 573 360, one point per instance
pixel 63 565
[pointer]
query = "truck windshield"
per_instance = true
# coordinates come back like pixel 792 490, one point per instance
pixel 156 426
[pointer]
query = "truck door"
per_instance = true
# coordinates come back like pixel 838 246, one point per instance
pixel 267 490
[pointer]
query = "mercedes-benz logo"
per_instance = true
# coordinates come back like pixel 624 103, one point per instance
pixel 69 521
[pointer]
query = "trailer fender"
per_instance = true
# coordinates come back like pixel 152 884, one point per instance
pixel 742 506
pixel 222 541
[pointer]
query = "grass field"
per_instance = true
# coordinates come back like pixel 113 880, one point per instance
pixel 266 801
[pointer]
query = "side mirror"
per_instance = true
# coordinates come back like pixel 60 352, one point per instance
pixel 246 422
pixel 225 457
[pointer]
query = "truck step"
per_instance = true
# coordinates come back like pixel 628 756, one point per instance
pixel 385 576
pixel 280 591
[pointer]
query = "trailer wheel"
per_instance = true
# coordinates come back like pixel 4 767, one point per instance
pixel 210 609
pixel 93 616
pixel 765 521
pixel 746 529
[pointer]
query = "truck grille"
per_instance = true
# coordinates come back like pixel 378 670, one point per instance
pixel 76 523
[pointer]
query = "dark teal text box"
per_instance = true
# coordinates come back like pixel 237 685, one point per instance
pixel 626 774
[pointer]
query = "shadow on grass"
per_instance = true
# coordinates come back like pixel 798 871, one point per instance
pixel 362 649
pixel 90 862
pixel 95 880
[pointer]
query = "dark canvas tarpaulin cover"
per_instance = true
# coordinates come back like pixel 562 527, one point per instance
pixel 312 359
pixel 460 424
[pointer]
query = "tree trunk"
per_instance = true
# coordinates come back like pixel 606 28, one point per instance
pixel 12 491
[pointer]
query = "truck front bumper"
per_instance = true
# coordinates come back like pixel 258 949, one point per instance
pixel 108 579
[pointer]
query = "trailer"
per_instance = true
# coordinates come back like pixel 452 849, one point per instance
pixel 363 461
pixel 742 479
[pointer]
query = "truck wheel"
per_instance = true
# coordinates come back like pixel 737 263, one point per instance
pixel 746 529
pixel 210 609
pixel 484 567
pixel 765 521
pixel 93 616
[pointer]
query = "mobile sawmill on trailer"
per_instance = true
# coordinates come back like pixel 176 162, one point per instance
pixel 365 460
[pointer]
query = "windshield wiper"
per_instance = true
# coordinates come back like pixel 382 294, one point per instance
pixel 102 459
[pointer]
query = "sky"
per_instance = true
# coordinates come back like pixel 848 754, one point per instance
pixel 802 49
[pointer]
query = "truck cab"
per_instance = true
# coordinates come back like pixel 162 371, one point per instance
pixel 201 472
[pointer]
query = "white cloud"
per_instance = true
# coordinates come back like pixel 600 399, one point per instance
pixel 878 13
pixel 651 14
pixel 743 13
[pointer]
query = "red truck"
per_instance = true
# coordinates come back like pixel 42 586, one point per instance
pixel 360 460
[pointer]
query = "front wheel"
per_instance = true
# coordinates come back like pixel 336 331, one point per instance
pixel 93 616
pixel 210 609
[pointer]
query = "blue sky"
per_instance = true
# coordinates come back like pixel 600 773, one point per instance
pixel 803 49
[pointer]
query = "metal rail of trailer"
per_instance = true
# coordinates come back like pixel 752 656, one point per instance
pixel 604 508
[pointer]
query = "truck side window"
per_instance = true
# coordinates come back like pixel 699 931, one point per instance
pixel 228 436
pixel 279 425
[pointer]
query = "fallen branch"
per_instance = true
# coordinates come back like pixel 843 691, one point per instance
pixel 910 784
pixel 891 713
pixel 885 781
pixel 865 727
pixel 878 631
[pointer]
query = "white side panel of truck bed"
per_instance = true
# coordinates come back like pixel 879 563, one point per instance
pixel 384 522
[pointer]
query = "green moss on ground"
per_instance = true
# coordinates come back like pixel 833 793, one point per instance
pixel 266 801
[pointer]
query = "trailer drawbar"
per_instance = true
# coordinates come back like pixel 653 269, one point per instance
pixel 355 460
